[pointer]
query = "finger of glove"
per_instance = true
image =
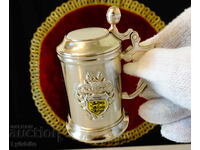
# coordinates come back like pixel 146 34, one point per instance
pixel 148 93
pixel 179 31
pixel 167 71
pixel 138 55
pixel 179 131
pixel 162 111
pixel 176 34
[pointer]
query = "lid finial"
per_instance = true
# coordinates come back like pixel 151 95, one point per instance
pixel 113 16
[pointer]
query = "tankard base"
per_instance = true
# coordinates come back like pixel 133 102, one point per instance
pixel 90 135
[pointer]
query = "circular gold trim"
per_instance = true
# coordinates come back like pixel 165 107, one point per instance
pixel 43 107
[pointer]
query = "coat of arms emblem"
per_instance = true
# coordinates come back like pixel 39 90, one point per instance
pixel 95 95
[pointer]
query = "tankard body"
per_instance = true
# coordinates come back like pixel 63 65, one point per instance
pixel 91 68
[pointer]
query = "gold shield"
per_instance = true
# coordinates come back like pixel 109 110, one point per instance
pixel 97 106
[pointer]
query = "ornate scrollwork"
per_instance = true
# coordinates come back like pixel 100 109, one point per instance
pixel 113 17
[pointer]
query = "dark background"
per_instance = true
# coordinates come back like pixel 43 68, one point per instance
pixel 25 17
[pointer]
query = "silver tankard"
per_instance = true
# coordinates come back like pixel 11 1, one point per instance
pixel 91 65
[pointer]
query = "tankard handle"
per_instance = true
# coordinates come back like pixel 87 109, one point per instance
pixel 113 17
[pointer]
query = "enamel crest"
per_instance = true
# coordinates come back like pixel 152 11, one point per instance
pixel 95 95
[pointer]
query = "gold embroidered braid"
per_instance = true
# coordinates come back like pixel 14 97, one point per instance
pixel 43 107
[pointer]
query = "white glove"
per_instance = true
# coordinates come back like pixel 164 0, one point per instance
pixel 166 69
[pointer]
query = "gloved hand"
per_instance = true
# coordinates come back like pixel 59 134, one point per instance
pixel 166 68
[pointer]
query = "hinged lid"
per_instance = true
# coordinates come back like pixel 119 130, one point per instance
pixel 88 42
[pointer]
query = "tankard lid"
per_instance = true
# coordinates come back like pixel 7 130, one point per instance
pixel 88 42
pixel 86 34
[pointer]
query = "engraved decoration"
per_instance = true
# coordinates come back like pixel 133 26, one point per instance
pixel 95 95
